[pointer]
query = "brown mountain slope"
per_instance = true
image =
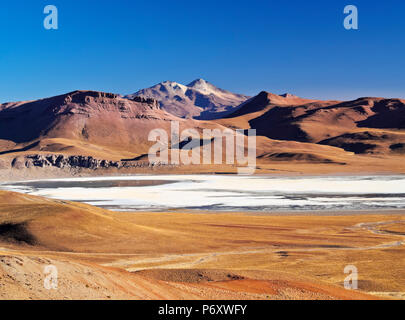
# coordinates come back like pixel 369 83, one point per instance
pixel 85 123
pixel 265 101
pixel 352 125
pixel 372 141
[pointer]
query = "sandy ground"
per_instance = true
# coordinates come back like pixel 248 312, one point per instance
pixel 105 255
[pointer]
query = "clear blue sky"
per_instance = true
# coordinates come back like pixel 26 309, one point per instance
pixel 245 46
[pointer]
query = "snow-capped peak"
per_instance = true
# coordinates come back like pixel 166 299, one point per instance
pixel 199 99
pixel 203 86
pixel 174 86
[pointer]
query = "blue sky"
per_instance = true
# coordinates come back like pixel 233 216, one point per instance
pixel 244 46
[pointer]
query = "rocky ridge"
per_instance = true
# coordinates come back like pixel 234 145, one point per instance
pixel 75 162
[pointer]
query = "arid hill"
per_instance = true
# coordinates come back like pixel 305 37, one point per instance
pixel 365 125
pixel 90 123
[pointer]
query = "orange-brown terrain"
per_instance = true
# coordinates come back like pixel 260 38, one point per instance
pixel 104 255
pixel 181 255
pixel 359 130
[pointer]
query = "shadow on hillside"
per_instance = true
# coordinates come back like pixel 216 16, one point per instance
pixel 16 233
pixel 33 145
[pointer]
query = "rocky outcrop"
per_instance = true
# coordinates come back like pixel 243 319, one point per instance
pixel 76 162
pixel 88 96
pixel 94 102
pixel 61 161
pixel 149 101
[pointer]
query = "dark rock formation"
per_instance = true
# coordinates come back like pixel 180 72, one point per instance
pixel 152 102
pixel 77 162
pixel 61 161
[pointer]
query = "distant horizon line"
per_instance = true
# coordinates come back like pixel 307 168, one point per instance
pixel 251 95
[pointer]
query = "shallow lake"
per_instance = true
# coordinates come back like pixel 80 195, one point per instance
pixel 225 192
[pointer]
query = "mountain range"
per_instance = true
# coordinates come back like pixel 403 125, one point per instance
pixel 354 135
pixel 366 125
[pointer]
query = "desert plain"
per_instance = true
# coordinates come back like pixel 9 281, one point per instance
pixel 100 254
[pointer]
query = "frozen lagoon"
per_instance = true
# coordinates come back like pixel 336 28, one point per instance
pixel 224 192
